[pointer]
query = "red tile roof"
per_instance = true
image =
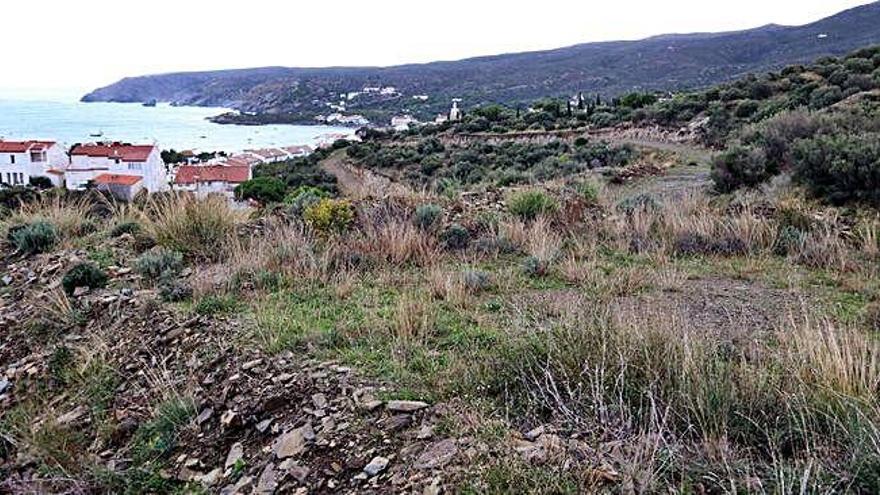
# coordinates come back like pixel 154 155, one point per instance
pixel 122 151
pixel 23 146
pixel 117 179
pixel 190 174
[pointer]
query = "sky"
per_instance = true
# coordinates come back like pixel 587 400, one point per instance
pixel 78 45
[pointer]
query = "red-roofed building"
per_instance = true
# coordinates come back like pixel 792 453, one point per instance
pixel 22 160
pixel 88 161
pixel 122 186
pixel 211 179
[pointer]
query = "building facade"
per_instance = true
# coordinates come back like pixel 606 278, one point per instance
pixel 119 163
pixel 22 160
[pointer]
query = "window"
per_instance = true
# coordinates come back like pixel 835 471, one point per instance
pixel 134 166
pixel 12 159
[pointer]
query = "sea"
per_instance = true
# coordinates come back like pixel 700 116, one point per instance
pixel 68 121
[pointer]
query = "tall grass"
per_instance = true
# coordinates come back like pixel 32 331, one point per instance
pixel 198 227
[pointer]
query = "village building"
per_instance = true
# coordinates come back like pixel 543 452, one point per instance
pixel 211 179
pixel 455 112
pixel 20 161
pixel 403 122
pixel 121 168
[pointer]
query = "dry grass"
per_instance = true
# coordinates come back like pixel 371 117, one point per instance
pixel 841 360
pixel 72 217
pixel 542 241
pixel 198 227
pixel 397 241
pixel 413 320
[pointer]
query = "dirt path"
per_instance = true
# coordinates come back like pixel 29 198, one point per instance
pixel 356 182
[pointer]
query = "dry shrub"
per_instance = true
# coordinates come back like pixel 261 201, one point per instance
pixel 447 286
pixel 576 270
pixel 542 241
pixel 198 227
pixel 822 248
pixel 72 217
pixel 398 241
pixel 515 231
pixel 868 235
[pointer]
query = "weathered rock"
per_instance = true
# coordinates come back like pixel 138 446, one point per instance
pixel 267 483
pixel 293 442
pixel 4 384
pixel 437 454
pixel 212 477
pixel 405 406
pixel 376 466
pixel 236 452
pixel 319 400
pixel 72 416
pixel 204 415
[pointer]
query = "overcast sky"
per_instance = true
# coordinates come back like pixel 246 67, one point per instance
pixel 81 44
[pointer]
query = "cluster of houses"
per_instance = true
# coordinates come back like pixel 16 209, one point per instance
pixel 125 169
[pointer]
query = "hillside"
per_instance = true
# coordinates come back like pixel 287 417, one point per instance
pixel 666 62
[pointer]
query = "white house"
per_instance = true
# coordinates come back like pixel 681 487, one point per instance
pixel 211 179
pixel 120 167
pixel 21 160
pixel 402 122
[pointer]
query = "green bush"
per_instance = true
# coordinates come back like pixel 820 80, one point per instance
pixel 263 189
pixel 530 204
pixel 128 227
pixel 212 305
pixel 303 197
pixel 840 168
pixel 589 190
pixel 427 216
pixel 740 166
pixel 174 291
pixel 329 216
pixel 41 182
pixel 37 237
pixel 456 236
pixel 159 263
pixel 83 275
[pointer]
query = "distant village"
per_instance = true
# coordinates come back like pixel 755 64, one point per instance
pixel 403 122
pixel 126 170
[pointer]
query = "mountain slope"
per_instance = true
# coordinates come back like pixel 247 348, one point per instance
pixel 665 62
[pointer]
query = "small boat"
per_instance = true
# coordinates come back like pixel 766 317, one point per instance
pixel 97 134
pixel 150 103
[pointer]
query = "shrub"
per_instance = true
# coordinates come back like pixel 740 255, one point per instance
pixel 37 237
pixel 789 240
pixel 476 281
pixel 198 228
pixel 303 200
pixel 263 189
pixel 159 263
pixel 175 291
pixel 638 202
pixel 129 227
pixel 456 236
pixel 534 266
pixel 329 216
pixel 589 191
pixel 530 204
pixel 212 305
pixel 840 168
pixel 41 182
pixel 826 96
pixel 427 216
pixel 13 197
pixel 83 275
pixel 739 166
